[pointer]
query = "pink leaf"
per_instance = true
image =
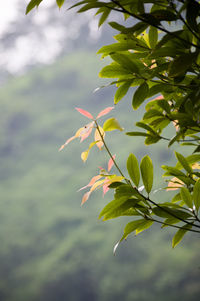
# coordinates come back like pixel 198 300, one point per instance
pixel 69 140
pixel 85 197
pixel 91 183
pixel 111 163
pixel 105 189
pixel 104 112
pixel 85 133
pixel 84 113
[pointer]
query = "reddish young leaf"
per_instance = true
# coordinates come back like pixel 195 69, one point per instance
pixel 174 184
pixel 68 140
pixel 84 113
pixel 104 112
pixel 85 197
pixel 105 189
pixel 111 163
pixel 91 183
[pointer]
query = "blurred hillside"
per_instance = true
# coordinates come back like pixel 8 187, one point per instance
pixel 51 248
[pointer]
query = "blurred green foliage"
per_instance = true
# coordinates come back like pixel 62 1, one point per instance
pixel 51 248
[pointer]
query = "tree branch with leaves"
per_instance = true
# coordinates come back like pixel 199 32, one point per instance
pixel 158 55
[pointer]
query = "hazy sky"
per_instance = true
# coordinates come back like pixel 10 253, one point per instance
pixel 43 37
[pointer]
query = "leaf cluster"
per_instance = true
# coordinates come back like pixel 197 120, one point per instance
pixel 157 60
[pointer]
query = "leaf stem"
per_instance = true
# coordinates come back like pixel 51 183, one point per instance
pixel 108 151
pixel 174 226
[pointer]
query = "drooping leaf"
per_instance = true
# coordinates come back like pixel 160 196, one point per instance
pixel 140 95
pixel 91 183
pixel 111 125
pixel 181 64
pixel 111 162
pixel 146 168
pixel 84 155
pixel 170 221
pixel 183 162
pixel 68 140
pixel 144 226
pixel 133 169
pixel 186 197
pixel 32 4
pixel 138 225
pixel 105 13
pixel 196 195
pixel 60 3
pixel 153 36
pixel 179 235
pixel 122 90
pixel 85 197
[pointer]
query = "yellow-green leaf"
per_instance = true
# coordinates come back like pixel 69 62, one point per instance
pixel 179 235
pixel 133 169
pixel 140 95
pixel 112 124
pixel 153 36
pixel 60 3
pixel 186 197
pixel 146 168
pixel 196 195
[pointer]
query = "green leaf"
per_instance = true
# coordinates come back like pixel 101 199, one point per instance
pixel 146 127
pixel 179 235
pixel 170 221
pixel 113 71
pixel 164 15
pixel 117 26
pixel 104 16
pixel 144 226
pixel 60 3
pixel 125 61
pixel 190 159
pixel 111 125
pixel 136 225
pixel 181 64
pixel 196 195
pixel 165 211
pixel 122 90
pixel 122 46
pixel 140 95
pixel 126 209
pixel 138 134
pixel 152 139
pixel 127 191
pixel 186 197
pixel 133 169
pixel 153 36
pixel 115 185
pixel 32 4
pixel 146 168
pixel 112 206
pixel 172 171
pixel 192 12
pixel 184 162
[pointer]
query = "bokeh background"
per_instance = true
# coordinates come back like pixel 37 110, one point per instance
pixel 51 248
